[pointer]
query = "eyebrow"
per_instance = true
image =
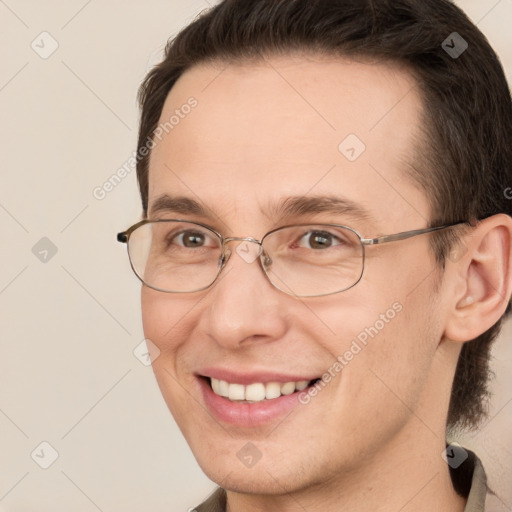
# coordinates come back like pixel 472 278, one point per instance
pixel 184 205
pixel 297 206
pixel 294 206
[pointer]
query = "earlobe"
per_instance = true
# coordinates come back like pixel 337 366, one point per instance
pixel 484 277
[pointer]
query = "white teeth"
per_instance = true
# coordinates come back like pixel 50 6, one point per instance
pixel 236 392
pixel 303 384
pixel 288 388
pixel 257 391
pixel 272 390
pixel 216 386
pixel 223 388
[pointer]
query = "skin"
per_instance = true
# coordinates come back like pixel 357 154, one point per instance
pixel 372 438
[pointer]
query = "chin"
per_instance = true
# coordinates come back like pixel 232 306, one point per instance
pixel 259 479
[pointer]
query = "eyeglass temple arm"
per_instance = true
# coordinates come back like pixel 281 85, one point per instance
pixel 409 234
pixel 124 236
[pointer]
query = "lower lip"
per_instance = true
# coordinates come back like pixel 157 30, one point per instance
pixel 247 414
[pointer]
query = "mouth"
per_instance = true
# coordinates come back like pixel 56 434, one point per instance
pixel 256 392
pixel 249 398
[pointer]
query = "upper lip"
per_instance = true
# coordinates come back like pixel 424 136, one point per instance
pixel 251 376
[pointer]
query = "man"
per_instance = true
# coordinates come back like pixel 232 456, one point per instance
pixel 325 249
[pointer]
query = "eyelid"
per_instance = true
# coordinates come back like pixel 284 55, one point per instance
pixel 333 235
pixel 200 224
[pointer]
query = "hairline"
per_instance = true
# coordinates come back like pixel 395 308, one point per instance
pixel 421 139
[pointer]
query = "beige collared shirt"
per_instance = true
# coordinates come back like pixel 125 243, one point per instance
pixel 475 502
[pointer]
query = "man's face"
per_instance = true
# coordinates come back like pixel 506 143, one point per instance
pixel 261 133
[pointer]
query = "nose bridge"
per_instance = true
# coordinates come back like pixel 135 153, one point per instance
pixel 240 247
pixel 238 238
pixel 237 313
pixel 244 249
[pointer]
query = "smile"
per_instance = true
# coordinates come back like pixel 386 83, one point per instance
pixel 257 391
pixel 251 398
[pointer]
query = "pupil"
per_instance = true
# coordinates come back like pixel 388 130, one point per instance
pixel 193 239
pixel 319 241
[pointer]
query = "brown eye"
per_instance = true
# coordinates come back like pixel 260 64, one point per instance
pixel 317 240
pixel 191 239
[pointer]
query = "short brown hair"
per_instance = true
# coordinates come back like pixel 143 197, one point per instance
pixel 464 165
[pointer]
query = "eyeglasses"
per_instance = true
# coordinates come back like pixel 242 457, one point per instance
pixel 303 260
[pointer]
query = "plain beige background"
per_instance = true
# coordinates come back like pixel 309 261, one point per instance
pixel 70 323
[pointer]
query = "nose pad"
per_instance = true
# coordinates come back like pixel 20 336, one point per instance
pixel 224 258
pixel 266 259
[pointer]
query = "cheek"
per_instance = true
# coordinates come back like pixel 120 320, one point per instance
pixel 164 318
pixel 153 314
pixel 166 321
pixel 389 376
pixel 387 345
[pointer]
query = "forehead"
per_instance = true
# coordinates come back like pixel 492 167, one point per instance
pixel 291 126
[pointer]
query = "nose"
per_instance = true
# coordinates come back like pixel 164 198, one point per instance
pixel 248 250
pixel 243 306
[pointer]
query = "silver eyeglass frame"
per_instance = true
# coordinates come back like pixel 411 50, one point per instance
pixel 124 237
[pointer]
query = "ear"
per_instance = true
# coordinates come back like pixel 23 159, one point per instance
pixel 481 279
